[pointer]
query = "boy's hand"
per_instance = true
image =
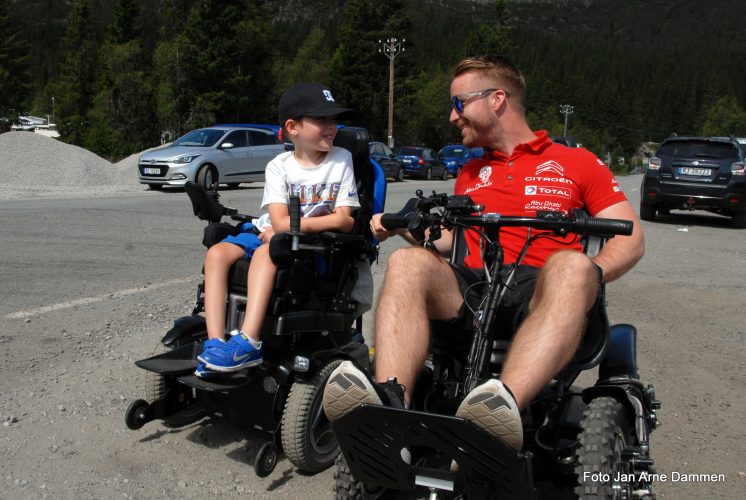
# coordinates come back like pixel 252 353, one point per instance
pixel 266 235
pixel 380 232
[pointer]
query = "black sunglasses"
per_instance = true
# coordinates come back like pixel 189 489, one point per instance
pixel 460 100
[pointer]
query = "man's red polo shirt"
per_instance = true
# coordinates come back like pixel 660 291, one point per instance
pixel 539 175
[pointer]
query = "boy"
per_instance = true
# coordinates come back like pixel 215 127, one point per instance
pixel 322 176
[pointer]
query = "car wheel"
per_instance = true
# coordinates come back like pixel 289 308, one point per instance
pixel 429 174
pixel 647 212
pixel 207 177
pixel 400 175
pixel 739 220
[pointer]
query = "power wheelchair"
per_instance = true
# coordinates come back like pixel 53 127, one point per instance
pixel 313 323
pixel 578 442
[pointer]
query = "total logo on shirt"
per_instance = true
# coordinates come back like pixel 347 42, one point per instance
pixel 547 191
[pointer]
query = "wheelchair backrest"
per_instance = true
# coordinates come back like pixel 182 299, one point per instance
pixel 371 183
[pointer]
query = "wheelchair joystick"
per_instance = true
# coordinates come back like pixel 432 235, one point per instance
pixel 294 211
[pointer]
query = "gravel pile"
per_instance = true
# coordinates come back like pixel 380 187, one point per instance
pixel 32 165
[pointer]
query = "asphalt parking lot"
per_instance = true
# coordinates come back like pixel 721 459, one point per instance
pixel 89 285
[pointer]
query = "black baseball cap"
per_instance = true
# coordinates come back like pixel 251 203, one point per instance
pixel 310 99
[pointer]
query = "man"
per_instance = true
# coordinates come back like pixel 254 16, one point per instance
pixel 557 287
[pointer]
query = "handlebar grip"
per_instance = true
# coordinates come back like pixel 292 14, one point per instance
pixel 294 212
pixel 605 226
pixel 395 221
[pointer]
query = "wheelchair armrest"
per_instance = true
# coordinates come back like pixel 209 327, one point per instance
pixel 243 217
pixel 330 236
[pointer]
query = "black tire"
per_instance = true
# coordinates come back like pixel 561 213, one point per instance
pixel 133 417
pixel 307 437
pixel 739 220
pixel 207 177
pixel 429 174
pixel 346 488
pixel 155 187
pixel 266 459
pixel 444 177
pixel 155 389
pixel 647 212
pixel 399 175
pixel 606 430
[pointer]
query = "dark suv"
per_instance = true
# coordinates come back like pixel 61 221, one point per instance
pixel 697 173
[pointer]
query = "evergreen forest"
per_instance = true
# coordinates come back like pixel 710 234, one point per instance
pixel 120 76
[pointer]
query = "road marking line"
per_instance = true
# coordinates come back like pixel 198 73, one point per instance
pixel 91 300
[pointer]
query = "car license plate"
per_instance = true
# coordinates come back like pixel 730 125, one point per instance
pixel 151 171
pixel 407 161
pixel 694 171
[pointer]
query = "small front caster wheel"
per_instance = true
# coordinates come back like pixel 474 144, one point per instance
pixel 135 415
pixel 266 459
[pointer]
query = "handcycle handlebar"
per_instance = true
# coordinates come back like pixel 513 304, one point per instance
pixel 551 221
pixel 459 210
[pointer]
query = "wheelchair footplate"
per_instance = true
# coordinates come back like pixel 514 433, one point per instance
pixel 372 437
pixel 174 362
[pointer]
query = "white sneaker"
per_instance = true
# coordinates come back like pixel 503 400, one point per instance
pixel 493 408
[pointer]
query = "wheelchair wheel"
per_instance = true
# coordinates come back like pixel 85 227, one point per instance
pixel 156 388
pixel 606 431
pixel 307 437
pixel 155 383
pixel 346 488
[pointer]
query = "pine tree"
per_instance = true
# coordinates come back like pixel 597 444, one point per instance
pixel 121 118
pixel 359 74
pixel 73 89
pixel 493 35
pixel 15 63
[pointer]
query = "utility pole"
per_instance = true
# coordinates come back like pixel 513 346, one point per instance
pixel 391 48
pixel 566 110
pixel 52 111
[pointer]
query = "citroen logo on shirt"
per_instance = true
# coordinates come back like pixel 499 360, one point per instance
pixel 550 166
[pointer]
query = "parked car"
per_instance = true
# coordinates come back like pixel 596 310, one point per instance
pixel 456 156
pixel 392 166
pixel 226 154
pixel 423 163
pixel 696 173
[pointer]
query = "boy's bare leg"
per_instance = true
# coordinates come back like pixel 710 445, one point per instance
pixel 261 280
pixel 547 339
pixel 418 286
pixel 218 261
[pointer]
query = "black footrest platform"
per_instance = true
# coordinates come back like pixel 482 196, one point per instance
pixel 226 383
pixel 371 438
pixel 174 362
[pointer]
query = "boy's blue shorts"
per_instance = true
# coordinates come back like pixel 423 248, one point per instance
pixel 246 239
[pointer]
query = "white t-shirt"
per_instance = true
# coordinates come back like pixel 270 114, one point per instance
pixel 321 188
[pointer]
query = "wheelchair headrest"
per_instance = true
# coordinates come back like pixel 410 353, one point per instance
pixel 355 140
pixel 205 207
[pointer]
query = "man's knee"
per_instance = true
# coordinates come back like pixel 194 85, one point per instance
pixel 569 267
pixel 410 258
pixel 567 272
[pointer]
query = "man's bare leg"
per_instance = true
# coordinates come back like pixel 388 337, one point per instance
pixel 547 339
pixel 418 286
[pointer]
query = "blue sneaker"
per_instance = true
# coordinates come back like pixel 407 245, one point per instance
pixel 234 355
pixel 202 371
pixel 205 373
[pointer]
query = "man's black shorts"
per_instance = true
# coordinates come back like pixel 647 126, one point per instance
pixel 514 307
